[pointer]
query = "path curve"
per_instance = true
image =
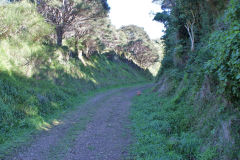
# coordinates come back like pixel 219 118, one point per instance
pixel 97 130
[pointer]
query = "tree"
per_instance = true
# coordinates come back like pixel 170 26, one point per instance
pixel 141 53
pixel 63 13
pixel 138 46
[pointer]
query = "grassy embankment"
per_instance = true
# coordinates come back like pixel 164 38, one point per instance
pixel 183 121
pixel 39 81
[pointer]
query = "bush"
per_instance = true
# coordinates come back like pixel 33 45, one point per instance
pixel 225 48
pixel 167 61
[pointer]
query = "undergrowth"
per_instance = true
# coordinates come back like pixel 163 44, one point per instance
pixel 177 126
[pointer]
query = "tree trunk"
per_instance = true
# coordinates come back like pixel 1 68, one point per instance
pixel 190 30
pixel 59 30
pixel 192 38
pixel 80 57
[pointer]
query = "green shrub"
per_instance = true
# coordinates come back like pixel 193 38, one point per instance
pixel 167 61
pixel 224 45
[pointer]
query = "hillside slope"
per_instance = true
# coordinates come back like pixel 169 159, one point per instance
pixel 39 78
pixel 193 111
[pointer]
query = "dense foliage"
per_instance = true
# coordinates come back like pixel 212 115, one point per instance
pixel 224 46
pixel 214 36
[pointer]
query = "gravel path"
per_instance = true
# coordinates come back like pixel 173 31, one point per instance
pixel 97 130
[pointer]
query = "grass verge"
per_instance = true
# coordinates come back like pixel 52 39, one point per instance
pixel 172 127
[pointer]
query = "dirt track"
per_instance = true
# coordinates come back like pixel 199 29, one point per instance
pixel 97 130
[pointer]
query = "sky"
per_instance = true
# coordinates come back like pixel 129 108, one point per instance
pixel 137 12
